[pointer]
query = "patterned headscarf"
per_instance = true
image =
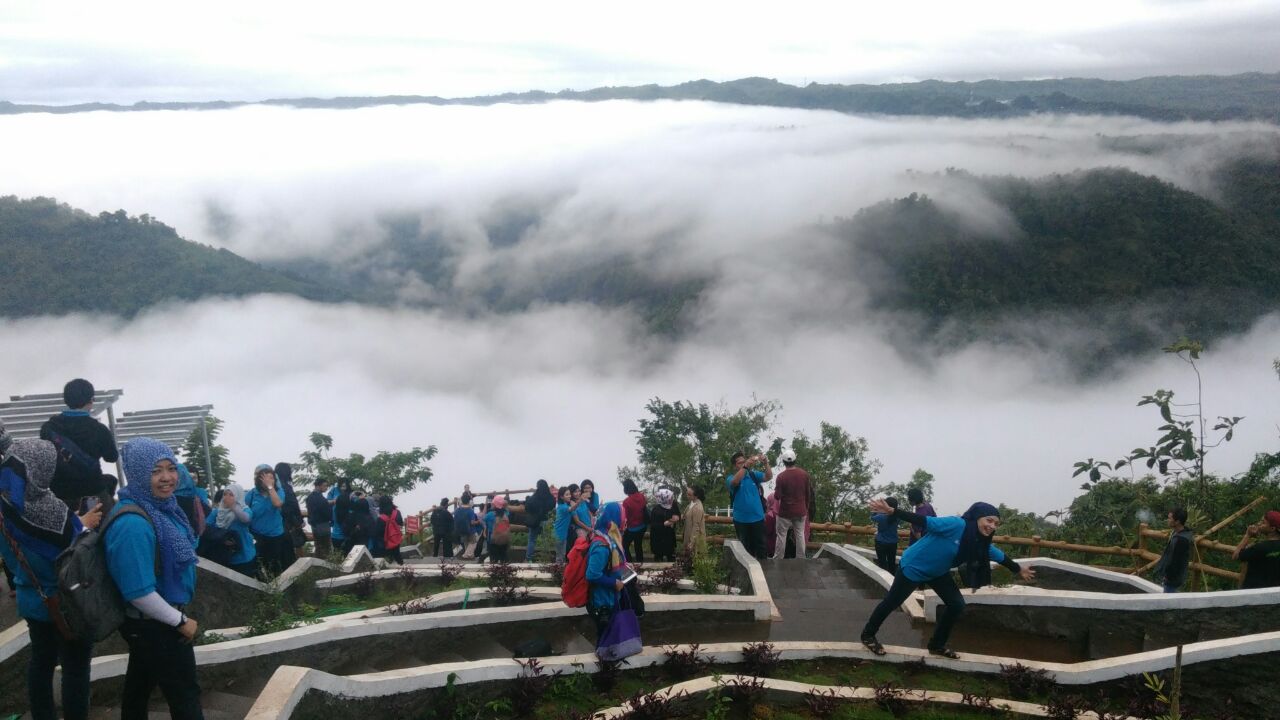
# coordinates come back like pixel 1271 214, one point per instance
pixel 610 525
pixel 41 522
pixel 665 497
pixel 176 539
pixel 5 441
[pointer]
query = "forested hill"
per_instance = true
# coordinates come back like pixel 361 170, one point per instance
pixel 60 260
pixel 1253 96
pixel 1134 254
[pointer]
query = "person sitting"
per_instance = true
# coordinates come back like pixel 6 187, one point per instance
pixel 948 542
pixel 1263 555
pixel 35 526
pixel 158 633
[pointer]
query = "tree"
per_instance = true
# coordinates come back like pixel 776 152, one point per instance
pixel 386 473
pixel 839 466
pixel 921 480
pixel 681 443
pixel 219 458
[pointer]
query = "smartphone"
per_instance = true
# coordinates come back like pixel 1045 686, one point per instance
pixel 628 575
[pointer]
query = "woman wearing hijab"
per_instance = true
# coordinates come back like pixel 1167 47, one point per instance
pixel 605 562
pixel 390 529
pixel 635 508
pixel 265 502
pixel 497 530
pixel 359 526
pixel 38 526
pixel 536 509
pixel 189 500
pixel 663 517
pixel 442 529
pixel 340 500
pixel 695 528
pixel 232 517
pixel 159 635
pixel 564 515
pixel 948 542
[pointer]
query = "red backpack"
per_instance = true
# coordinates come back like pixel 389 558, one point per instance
pixel 575 588
pixel 392 536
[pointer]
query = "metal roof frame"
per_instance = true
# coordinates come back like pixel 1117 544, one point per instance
pixel 171 426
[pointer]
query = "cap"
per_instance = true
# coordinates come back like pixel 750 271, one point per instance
pixel 788 456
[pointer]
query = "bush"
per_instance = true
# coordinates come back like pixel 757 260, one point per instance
pixel 684 664
pixel 1024 682
pixel 760 659
pixel 530 686
pixel 707 575
pixel 450 571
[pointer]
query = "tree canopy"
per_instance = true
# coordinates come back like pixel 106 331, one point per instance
pixel 386 473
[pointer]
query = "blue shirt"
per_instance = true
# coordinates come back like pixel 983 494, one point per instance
pixel 241 530
pixel 935 554
pixel 601 579
pixel 131 560
pixel 583 513
pixel 886 528
pixel 489 519
pixel 266 517
pixel 747 507
pixel 562 520
pixel 335 532
pixel 30 605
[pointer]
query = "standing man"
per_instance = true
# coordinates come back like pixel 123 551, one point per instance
pixel 76 424
pixel 792 492
pixel 320 515
pixel 1177 554
pixel 746 498
pixel 1263 555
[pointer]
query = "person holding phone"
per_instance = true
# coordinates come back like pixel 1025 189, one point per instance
pixel 746 493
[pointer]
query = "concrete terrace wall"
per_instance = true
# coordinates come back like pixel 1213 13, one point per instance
pixel 747 576
pixel 296 692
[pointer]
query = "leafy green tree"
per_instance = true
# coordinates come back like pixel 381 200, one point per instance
pixel 386 473
pixel 683 443
pixel 219 458
pixel 841 470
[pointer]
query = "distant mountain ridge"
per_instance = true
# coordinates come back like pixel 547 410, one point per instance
pixel 1248 96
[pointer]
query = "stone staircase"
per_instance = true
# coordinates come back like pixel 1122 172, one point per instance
pixel 824 599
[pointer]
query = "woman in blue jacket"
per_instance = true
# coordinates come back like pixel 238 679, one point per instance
pixel 605 561
pixel 948 542
pixel 265 502
pixel 159 634
pixel 232 516
pixel 41 526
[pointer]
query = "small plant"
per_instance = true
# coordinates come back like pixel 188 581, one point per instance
pixel 450 571
pixel 364 585
pixel 407 577
pixel 530 686
pixel 504 583
pixel 410 606
pixel 749 691
pixel 209 638
pixel 684 561
pixel 573 686
pixel 684 664
pixel 891 699
pixel 654 705
pixel 707 575
pixel 1025 682
pixel 760 659
pixel 717 703
pixel 664 581
pixel 981 701
pixel 1061 706
pixel 555 570
pixel 822 703
pixel 606 675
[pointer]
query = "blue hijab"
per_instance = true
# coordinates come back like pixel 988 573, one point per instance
pixel 974 556
pixel 186 484
pixel 175 538
pixel 609 527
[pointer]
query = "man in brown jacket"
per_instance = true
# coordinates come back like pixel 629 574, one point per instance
pixel 792 493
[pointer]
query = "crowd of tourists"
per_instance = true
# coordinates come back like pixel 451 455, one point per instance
pixel 151 530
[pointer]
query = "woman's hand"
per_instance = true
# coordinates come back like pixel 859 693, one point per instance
pixel 618 585
pixel 878 505
pixel 189 629
pixel 93 517
pixel 1027 573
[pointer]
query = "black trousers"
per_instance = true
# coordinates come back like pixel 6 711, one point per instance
pixel 158 656
pixel 633 545
pixel 498 553
pixel 272 552
pixel 49 649
pixel 887 556
pixel 751 535
pixel 902 588
pixel 442 540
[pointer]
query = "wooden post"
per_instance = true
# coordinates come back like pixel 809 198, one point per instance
pixel 848 529
pixel 1035 546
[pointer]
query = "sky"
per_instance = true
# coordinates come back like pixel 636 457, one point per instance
pixel 556 391
pixel 129 51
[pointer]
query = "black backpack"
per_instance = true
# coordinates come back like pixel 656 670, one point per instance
pixel 91 602
pixel 77 474
pixel 219 545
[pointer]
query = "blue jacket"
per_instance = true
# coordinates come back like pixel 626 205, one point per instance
pixel 30 605
pixel 935 554
pixel 562 521
pixel 600 577
pixel 241 530
pixel 266 518
pixel 886 528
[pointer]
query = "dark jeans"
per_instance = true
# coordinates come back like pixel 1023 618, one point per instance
pixel 393 555
pixel 158 656
pixel 535 529
pixel 271 552
pixel 49 649
pixel 902 588
pixel 633 545
pixel 751 535
pixel 323 545
pixel 444 540
pixel 887 556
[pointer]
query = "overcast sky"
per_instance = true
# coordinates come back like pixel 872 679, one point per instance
pixel 133 50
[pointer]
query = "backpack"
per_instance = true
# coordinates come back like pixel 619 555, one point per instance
pixel 219 545
pixel 462 521
pixel 77 473
pixel 501 534
pixel 91 602
pixel 574 589
pixel 392 536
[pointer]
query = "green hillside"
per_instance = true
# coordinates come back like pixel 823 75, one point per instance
pixel 61 260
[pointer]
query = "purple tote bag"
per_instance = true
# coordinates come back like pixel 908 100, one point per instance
pixel 622 638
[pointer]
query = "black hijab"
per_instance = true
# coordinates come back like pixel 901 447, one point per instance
pixel 974 558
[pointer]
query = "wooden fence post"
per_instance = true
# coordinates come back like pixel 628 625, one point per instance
pixel 1035 546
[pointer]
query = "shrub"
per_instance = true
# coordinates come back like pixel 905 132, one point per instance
pixel 530 686
pixel 364 585
pixel 822 703
pixel 890 698
pixel 555 570
pixel 1024 682
pixel 449 571
pixel 665 580
pixel 1064 707
pixel 654 705
pixel 748 691
pixel 606 675
pixel 760 659
pixel 684 561
pixel 707 575
pixel 407 577
pixel 504 583
pixel 684 664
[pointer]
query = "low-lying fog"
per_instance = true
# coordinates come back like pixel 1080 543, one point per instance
pixel 555 392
